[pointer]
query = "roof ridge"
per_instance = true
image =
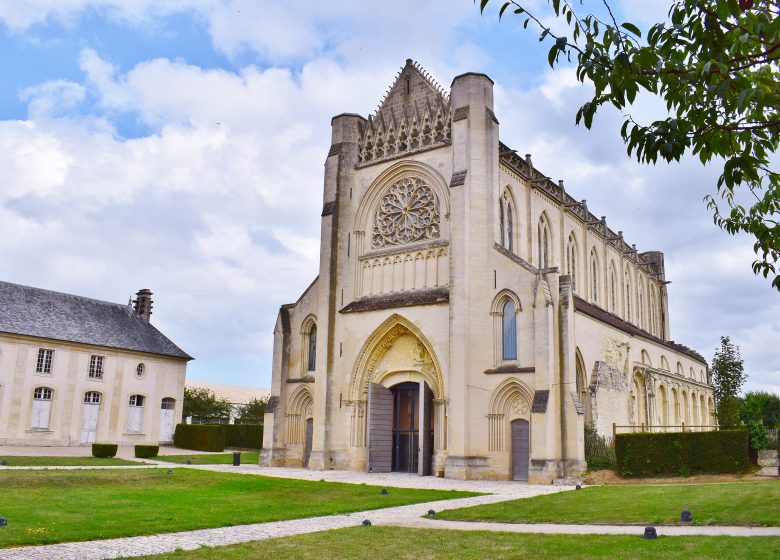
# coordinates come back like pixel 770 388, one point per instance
pixel 102 301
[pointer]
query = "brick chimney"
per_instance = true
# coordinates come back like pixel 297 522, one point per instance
pixel 143 303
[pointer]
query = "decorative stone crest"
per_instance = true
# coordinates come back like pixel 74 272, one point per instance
pixel 408 212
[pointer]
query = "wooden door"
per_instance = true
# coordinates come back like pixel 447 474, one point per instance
pixel 309 439
pixel 380 429
pixel 167 411
pixel 425 436
pixel 89 422
pixel 520 449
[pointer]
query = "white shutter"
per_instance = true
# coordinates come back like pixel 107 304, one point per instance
pixel 134 419
pixel 41 410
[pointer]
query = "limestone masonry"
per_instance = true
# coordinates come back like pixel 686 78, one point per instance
pixel 469 316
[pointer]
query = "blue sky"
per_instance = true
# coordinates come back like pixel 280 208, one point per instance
pixel 178 145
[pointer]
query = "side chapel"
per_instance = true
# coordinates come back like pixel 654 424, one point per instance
pixel 470 316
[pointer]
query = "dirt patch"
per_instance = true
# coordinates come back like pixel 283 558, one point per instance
pixel 608 477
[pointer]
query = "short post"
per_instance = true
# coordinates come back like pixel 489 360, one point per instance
pixel 236 458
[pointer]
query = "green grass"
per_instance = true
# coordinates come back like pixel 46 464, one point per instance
pixel 57 506
pixel 65 461
pixel 379 543
pixel 247 458
pixel 738 503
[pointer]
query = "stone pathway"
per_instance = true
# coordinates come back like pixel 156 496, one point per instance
pixel 403 516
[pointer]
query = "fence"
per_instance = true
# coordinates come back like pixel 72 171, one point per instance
pixel 599 450
pixel 773 438
pixel 616 429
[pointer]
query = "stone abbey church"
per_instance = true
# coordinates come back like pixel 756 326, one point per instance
pixel 470 316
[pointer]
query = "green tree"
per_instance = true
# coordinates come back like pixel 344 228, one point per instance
pixel 204 403
pixel 728 375
pixel 715 65
pixel 253 412
pixel 763 407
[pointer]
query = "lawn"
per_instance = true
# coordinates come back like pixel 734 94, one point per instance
pixel 737 503
pixel 391 543
pixel 57 506
pixel 65 461
pixel 247 458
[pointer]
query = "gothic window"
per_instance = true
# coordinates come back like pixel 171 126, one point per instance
pixel 509 331
pixel 311 363
pixel 501 222
pixel 408 212
pixel 543 241
pixel 641 305
pixel 628 297
pixel 594 276
pixel 571 261
pixel 612 288
pixel 509 229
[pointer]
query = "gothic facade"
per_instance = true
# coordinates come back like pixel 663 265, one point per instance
pixel 470 316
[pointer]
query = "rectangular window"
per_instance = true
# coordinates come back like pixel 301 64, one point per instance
pixel 44 361
pixel 96 367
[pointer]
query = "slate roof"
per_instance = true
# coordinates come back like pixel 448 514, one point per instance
pixel 45 314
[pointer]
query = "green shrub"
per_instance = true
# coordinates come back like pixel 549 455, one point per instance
pixel 146 451
pixel 201 437
pixel 248 436
pixel 681 453
pixel 104 449
pixel 758 436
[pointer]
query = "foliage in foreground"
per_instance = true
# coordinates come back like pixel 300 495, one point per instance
pixel 715 65
pixel 735 503
pixel 58 506
pixel 396 543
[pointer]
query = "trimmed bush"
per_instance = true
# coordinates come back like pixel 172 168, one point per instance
pixel 146 451
pixel 200 437
pixel 681 453
pixel 248 436
pixel 104 450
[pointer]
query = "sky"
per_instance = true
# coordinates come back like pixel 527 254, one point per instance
pixel 178 145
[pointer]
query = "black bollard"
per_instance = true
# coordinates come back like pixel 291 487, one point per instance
pixel 366 523
pixel 236 458
pixel 650 532
pixel 685 516
pixel 3 522
pixel 431 512
pixel 383 491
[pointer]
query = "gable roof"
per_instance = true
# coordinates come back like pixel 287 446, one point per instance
pixel 29 311
pixel 412 90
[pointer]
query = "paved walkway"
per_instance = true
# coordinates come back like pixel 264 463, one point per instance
pixel 403 516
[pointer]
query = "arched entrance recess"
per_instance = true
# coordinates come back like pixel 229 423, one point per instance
pixel 300 423
pixel 396 359
pixel 509 425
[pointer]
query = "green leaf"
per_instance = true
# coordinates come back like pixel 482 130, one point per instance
pixel 632 28
pixel 503 9
pixel 482 5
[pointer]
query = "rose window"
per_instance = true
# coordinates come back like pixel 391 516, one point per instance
pixel 409 212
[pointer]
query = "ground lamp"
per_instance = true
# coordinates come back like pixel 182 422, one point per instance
pixel 3 522
pixel 4 462
pixel 431 512
pixel 685 516
pixel 650 532
pixel 383 491
pixel 366 523
pixel 169 471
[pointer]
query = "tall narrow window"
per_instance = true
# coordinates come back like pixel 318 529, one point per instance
pixel 44 361
pixel 509 231
pixel 544 244
pixel 41 408
pixel 311 364
pixel 96 367
pixel 641 305
pixel 501 221
pixel 509 332
pixel 571 262
pixel 135 414
pixel 612 288
pixel 594 277
pixel 628 297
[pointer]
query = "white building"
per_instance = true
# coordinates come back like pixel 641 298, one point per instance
pixel 75 370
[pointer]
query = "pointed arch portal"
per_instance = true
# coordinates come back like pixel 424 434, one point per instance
pixel 397 381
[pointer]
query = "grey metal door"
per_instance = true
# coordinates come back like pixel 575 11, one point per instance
pixel 380 429
pixel 426 433
pixel 520 449
pixel 309 438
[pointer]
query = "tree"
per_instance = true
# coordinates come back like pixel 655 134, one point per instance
pixel 728 375
pixel 715 65
pixel 763 407
pixel 253 412
pixel 204 403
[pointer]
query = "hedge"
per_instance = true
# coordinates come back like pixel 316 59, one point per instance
pixel 244 435
pixel 681 453
pixel 104 449
pixel 146 451
pixel 201 437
